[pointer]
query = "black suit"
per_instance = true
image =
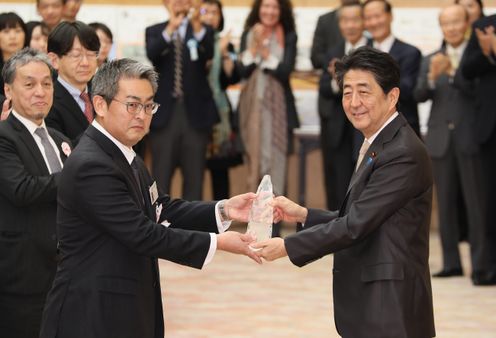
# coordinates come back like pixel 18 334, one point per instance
pixel 326 37
pixel 476 65
pixel 66 115
pixel 336 136
pixel 409 58
pixel 28 243
pixel 452 145
pixel 180 129
pixel 380 238
pixel 107 283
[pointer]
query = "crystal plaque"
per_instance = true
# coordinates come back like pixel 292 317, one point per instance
pixel 261 213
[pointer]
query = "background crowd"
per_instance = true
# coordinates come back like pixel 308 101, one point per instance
pixel 196 127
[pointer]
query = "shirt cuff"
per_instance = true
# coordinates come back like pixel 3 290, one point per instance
pixel 247 58
pixel 200 35
pixel 211 250
pixel 270 63
pixel 334 86
pixel 166 36
pixel 222 226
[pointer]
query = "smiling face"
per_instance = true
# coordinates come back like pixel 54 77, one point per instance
pixel 377 20
pixel 31 91
pixel 454 24
pixel 351 23
pixel 364 102
pixel 270 13
pixel 127 128
pixel 78 66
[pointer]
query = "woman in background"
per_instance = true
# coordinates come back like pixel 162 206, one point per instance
pixel 224 149
pixel 266 108
pixel 12 38
pixel 37 35
pixel 475 9
pixel 106 40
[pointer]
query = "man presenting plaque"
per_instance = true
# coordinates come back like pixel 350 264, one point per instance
pixel 380 236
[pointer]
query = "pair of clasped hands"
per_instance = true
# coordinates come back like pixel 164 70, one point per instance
pixel 238 208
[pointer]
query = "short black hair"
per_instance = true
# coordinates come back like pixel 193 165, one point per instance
pixel 387 5
pixel 104 28
pixel 219 6
pixel 11 20
pixel 61 39
pixel 382 66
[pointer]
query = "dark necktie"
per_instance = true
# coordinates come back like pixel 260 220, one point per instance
pixel 88 107
pixel 178 66
pixel 50 154
pixel 134 167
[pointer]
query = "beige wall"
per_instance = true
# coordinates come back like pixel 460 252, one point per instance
pixel 307 3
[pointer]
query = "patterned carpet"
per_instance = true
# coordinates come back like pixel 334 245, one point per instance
pixel 234 297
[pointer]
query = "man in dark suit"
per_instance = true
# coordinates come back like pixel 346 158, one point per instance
pixel 113 224
pixel 479 62
pixel 380 236
pixel 179 50
pixel 30 164
pixel 73 48
pixel 378 18
pixel 336 132
pixel 452 145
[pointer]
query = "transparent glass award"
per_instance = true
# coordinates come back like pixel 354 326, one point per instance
pixel 261 213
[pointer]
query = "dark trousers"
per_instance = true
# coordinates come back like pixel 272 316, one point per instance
pixel 179 145
pixel 457 173
pixel 338 163
pixel 220 183
pixel 488 155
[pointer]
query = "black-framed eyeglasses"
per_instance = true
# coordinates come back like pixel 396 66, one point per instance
pixel 134 108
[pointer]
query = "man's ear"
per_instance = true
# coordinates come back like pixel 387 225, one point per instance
pixel 394 96
pixel 100 105
pixel 54 60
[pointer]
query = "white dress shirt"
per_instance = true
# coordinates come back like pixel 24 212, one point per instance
pixel 31 127
pixel 386 44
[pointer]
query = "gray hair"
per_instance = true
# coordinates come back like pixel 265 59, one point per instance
pixel 105 82
pixel 22 58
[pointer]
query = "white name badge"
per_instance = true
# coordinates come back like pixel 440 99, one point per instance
pixel 193 49
pixel 153 192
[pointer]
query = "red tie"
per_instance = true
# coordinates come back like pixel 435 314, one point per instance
pixel 88 107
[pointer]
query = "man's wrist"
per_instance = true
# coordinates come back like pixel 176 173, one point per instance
pixel 223 211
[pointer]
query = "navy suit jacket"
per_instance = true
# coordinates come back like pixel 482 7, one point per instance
pixel 107 283
pixel 380 237
pixel 200 106
pixel 476 65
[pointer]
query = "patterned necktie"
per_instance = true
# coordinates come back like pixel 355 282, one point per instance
pixel 50 154
pixel 178 66
pixel 88 107
pixel 363 150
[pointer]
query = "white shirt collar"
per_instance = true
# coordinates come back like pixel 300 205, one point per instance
pixel 128 152
pixel 30 125
pixel 459 50
pixel 389 120
pixel 70 88
pixel 360 43
pixel 386 45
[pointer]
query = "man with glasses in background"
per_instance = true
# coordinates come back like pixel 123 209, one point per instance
pixel 113 224
pixel 73 49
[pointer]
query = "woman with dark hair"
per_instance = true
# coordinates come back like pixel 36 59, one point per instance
pixel 37 35
pixel 106 40
pixel 224 149
pixel 12 38
pixel 267 109
pixel 475 9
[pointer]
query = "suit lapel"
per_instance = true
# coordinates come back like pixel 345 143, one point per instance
pixel 375 149
pixel 116 154
pixel 28 140
pixel 65 98
pixel 58 141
